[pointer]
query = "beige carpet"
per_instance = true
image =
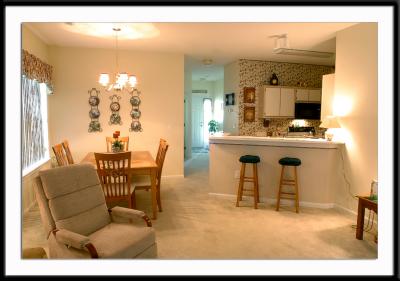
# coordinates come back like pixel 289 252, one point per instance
pixel 195 225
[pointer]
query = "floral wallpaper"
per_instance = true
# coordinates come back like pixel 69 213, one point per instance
pixel 253 73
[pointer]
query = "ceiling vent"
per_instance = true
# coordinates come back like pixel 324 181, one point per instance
pixel 282 48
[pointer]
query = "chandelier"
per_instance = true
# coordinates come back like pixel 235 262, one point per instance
pixel 122 79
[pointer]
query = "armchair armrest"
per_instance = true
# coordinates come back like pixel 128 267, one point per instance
pixel 129 214
pixel 75 240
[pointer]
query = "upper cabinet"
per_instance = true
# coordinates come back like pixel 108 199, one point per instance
pixel 276 102
pixel 280 101
pixel 308 95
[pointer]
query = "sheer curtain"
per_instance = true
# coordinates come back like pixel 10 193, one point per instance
pixel 33 135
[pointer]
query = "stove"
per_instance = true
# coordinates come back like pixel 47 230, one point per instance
pixel 300 132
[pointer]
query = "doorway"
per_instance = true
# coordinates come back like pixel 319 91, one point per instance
pixel 202 113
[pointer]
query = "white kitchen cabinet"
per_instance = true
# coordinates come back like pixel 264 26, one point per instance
pixel 272 97
pixel 308 95
pixel 287 102
pixel 276 102
pixel 314 95
pixel 301 95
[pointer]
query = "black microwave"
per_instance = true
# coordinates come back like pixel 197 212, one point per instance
pixel 307 110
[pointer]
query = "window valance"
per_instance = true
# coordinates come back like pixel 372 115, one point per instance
pixel 34 68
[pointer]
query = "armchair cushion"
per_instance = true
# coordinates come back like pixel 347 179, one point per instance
pixel 122 240
pixel 75 198
pixel 72 239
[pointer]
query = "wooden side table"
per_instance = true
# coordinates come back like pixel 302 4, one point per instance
pixel 364 202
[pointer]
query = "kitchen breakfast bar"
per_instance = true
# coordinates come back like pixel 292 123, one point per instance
pixel 319 174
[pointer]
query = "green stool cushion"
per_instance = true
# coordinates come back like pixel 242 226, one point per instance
pixel 288 161
pixel 249 159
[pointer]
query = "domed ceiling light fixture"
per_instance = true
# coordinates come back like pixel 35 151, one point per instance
pixel 282 48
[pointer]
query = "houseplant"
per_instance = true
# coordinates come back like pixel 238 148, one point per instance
pixel 212 127
pixel 117 146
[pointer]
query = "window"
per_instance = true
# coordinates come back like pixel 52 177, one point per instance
pixel 34 126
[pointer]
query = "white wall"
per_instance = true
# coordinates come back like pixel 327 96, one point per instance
pixel 34 45
pixel 161 81
pixel 231 85
pixel 355 100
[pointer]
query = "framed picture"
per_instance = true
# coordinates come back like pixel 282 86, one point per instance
pixel 249 95
pixel 230 99
pixel 249 113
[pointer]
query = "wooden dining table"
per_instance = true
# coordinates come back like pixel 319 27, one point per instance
pixel 142 163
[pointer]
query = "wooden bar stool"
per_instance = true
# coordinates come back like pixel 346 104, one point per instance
pixel 288 161
pixel 251 159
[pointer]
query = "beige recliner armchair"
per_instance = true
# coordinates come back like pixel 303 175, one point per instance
pixel 78 223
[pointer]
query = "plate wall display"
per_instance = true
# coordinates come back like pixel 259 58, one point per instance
pixel 94 113
pixel 135 111
pixel 115 118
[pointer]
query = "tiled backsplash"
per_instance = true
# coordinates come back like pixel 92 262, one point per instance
pixel 254 73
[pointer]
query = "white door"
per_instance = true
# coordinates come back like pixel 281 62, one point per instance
pixel 287 102
pixel 272 99
pixel 197 122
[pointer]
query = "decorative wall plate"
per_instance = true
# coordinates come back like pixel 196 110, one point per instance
pixel 135 113
pixel 114 106
pixel 115 119
pixel 93 100
pixel 94 126
pixel 135 101
pixel 94 113
pixel 136 126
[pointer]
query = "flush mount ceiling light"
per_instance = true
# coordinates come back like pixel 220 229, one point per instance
pixel 105 30
pixel 282 48
pixel 207 62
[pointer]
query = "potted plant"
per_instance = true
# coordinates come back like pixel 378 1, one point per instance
pixel 212 127
pixel 117 146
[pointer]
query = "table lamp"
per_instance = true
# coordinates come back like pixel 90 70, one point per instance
pixel 329 122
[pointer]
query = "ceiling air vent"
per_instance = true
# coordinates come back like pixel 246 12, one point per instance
pixel 282 48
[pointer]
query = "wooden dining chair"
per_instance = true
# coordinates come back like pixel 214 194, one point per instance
pixel 124 140
pixel 60 155
pixel 140 184
pixel 65 144
pixel 113 171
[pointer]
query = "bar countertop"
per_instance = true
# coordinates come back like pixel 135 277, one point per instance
pixel 275 141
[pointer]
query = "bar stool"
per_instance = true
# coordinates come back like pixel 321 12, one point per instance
pixel 288 161
pixel 248 159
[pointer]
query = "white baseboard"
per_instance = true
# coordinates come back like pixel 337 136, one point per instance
pixel 284 202
pixel 173 177
pixel 345 209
